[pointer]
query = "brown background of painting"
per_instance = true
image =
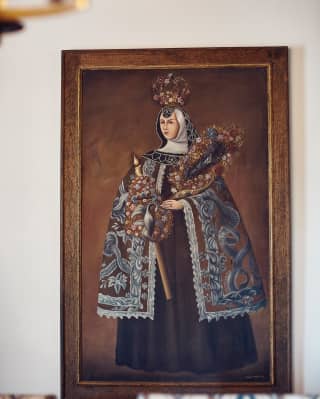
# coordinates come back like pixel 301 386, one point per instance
pixel 118 117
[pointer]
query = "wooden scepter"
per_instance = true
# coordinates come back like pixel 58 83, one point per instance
pixel 159 256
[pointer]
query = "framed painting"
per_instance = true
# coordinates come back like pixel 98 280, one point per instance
pixel 175 221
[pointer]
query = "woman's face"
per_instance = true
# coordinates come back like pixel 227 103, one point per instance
pixel 169 126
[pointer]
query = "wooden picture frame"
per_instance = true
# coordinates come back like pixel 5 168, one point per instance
pixel 108 113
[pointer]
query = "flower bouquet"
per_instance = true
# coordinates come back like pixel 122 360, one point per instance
pixel 208 157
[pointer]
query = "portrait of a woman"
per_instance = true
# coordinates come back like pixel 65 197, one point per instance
pixel 179 272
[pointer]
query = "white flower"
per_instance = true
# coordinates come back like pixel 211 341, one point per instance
pixel 118 282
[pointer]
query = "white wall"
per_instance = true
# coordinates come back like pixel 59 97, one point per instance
pixel 30 156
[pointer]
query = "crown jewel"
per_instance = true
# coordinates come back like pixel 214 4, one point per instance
pixel 170 90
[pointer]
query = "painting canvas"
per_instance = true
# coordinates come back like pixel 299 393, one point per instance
pixel 170 193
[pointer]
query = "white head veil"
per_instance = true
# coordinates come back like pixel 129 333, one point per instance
pixel 178 145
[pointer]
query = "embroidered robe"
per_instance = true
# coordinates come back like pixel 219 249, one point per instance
pixel 226 277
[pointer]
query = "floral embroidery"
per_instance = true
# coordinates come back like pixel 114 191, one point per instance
pixel 117 282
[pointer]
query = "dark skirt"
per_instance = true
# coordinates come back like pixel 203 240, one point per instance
pixel 175 340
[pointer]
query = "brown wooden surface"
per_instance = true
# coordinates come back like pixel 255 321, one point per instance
pixel 73 62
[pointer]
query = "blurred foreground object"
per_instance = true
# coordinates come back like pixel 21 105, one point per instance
pixel 27 396
pixel 227 396
pixel 11 16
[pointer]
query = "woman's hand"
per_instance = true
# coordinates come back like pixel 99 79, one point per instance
pixel 173 205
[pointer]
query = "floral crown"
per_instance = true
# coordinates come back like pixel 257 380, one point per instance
pixel 170 90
